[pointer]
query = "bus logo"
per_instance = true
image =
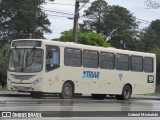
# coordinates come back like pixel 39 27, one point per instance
pixel 90 74
pixel 120 76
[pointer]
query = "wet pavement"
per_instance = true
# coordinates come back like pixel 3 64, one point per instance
pixel 76 104
pixel 52 104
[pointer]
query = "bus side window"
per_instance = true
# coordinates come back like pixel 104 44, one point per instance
pixel 52 57
pixel 148 64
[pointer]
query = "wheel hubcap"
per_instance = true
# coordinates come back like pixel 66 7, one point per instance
pixel 67 91
pixel 126 93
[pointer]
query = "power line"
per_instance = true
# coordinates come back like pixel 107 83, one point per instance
pixel 60 4
pixel 143 20
pixel 59 16
pixel 72 5
pixel 58 12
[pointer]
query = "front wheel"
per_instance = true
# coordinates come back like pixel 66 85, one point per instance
pixel 126 93
pixel 67 91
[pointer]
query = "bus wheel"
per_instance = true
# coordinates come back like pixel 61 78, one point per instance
pixel 67 91
pixel 126 93
pixel 36 94
pixel 98 96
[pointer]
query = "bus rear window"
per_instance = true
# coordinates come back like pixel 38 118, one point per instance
pixel 148 64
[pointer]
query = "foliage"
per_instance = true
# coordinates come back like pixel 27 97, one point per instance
pixel 155 26
pixel 95 14
pixel 150 42
pixel 88 38
pixel 148 39
pixel 157 52
pixel 105 19
pixel 4 52
pixel 20 18
pixel 4 87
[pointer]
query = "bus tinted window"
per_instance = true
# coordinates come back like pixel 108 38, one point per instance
pixel 90 59
pixel 106 60
pixel 122 62
pixel 148 64
pixel 52 57
pixel 72 57
pixel 137 63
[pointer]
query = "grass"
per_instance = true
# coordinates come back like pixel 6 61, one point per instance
pixel 4 88
pixel 152 94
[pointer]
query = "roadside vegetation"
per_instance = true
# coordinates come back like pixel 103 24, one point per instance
pixel 3 88
pixel 153 94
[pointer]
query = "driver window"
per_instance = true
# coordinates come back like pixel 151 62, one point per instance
pixel 52 57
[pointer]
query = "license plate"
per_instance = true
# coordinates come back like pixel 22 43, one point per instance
pixel 21 88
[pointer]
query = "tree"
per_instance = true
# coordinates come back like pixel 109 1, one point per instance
pixel 150 36
pixel 155 26
pixel 148 39
pixel 87 38
pixel 157 52
pixel 95 14
pixel 4 52
pixel 104 19
pixel 20 18
pixel 152 4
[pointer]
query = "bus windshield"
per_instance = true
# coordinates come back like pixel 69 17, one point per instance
pixel 26 60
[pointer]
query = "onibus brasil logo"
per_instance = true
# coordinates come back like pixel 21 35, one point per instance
pixel 90 74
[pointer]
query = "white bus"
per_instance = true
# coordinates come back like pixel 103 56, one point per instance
pixel 42 66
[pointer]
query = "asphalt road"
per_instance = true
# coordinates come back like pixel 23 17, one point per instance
pixel 80 107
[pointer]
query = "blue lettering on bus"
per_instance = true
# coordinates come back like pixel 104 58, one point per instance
pixel 90 74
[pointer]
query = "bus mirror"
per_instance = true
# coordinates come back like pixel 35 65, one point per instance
pixel 51 67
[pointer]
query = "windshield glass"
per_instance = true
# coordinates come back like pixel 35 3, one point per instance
pixel 26 60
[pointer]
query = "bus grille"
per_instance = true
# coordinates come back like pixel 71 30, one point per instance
pixel 21 88
pixel 22 77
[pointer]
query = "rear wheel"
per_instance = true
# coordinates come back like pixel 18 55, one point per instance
pixel 126 93
pixel 36 94
pixel 67 91
pixel 98 96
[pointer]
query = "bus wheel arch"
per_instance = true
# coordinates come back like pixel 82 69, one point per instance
pixel 126 92
pixel 67 89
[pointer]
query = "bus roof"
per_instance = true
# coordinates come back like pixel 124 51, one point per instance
pixel 89 47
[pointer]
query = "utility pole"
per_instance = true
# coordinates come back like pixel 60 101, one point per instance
pixel 75 24
pixel 34 18
pixel 76 16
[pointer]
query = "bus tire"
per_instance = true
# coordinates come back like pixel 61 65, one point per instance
pixel 67 91
pixel 126 93
pixel 36 94
pixel 98 96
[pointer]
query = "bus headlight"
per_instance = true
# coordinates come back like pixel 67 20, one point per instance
pixel 37 81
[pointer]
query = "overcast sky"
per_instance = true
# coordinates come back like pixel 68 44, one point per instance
pixel 60 21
